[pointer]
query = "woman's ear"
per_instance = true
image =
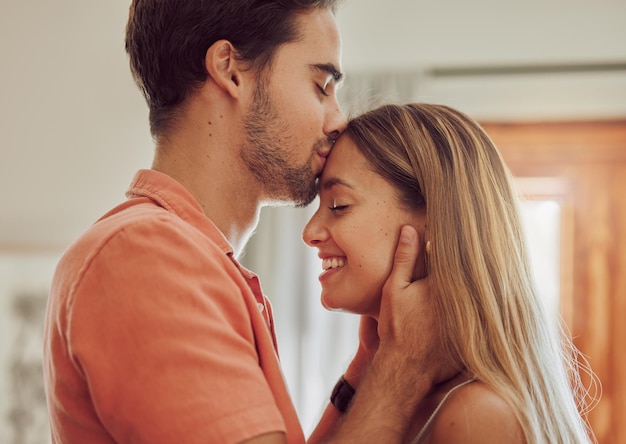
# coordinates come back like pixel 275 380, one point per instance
pixel 223 67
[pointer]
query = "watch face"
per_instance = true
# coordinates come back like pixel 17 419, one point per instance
pixel 342 395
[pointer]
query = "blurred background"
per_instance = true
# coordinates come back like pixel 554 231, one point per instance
pixel 546 79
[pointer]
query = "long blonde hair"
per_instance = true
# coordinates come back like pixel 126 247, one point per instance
pixel 492 321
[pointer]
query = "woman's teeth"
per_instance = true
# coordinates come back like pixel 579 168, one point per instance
pixel 333 263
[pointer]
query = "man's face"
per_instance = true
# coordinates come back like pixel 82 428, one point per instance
pixel 295 113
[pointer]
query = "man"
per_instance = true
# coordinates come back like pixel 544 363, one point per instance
pixel 154 332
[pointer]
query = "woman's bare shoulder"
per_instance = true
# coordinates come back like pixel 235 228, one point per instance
pixel 475 413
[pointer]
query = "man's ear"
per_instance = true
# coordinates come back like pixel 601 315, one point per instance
pixel 223 67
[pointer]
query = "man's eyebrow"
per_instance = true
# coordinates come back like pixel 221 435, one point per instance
pixel 331 69
pixel 327 184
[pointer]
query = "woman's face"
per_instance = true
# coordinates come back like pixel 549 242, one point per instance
pixel 356 230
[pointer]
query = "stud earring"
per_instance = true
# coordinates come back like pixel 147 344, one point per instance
pixel 428 247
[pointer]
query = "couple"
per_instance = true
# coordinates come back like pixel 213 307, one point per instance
pixel 156 334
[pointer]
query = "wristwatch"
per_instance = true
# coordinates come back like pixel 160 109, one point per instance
pixel 342 395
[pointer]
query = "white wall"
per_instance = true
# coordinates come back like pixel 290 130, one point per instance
pixel 73 125
pixel 409 34
pixel 415 36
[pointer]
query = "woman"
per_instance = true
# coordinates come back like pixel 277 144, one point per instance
pixel 429 166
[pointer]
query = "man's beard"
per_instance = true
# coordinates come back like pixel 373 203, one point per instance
pixel 266 135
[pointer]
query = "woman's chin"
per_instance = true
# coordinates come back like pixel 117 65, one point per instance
pixel 330 304
pixel 335 304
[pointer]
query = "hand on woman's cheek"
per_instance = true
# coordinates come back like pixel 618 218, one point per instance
pixel 420 267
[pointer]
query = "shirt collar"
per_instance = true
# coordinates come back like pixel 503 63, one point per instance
pixel 170 194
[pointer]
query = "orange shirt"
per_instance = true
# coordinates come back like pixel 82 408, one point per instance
pixel 155 334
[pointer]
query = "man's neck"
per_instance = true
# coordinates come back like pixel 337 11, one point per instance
pixel 213 173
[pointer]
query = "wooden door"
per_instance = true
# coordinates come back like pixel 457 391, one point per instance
pixel 587 162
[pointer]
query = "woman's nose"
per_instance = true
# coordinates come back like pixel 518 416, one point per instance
pixel 312 234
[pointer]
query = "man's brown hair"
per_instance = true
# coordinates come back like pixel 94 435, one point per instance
pixel 167 40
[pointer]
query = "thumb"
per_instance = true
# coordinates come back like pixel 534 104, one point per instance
pixel 405 258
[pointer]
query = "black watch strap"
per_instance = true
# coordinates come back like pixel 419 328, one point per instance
pixel 342 395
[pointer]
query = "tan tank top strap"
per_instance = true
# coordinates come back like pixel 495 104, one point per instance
pixel 428 423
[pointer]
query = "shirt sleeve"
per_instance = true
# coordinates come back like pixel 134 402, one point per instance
pixel 160 331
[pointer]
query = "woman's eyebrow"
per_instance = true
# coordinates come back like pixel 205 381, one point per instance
pixel 332 181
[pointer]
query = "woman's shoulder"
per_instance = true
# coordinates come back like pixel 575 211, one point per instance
pixel 475 413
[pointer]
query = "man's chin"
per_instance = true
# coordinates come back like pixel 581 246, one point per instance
pixel 305 202
pixel 298 190
pixel 300 200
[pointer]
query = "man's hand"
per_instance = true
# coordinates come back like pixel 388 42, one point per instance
pixel 408 324
pixel 403 299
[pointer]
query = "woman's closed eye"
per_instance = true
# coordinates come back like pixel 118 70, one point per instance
pixel 336 207
pixel 322 90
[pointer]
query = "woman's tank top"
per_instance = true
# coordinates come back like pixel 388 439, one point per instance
pixel 422 433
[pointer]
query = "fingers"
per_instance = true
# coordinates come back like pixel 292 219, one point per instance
pixel 408 326
pixel 397 287
pixel 405 258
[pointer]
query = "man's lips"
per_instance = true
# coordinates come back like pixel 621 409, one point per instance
pixel 323 153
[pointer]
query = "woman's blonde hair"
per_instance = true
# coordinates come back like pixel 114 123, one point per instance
pixel 492 321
